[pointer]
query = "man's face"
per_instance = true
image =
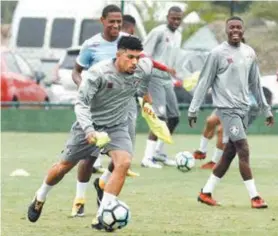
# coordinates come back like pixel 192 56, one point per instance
pixel 128 60
pixel 235 31
pixel 112 23
pixel 174 20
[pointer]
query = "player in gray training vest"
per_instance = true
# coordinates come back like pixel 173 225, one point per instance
pixel 162 44
pixel 101 106
pixel 231 70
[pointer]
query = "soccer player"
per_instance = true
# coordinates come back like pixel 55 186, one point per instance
pixel 101 106
pixel 99 47
pixel 231 70
pixel 162 44
pixel 129 24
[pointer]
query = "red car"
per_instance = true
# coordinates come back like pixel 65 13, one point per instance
pixel 18 81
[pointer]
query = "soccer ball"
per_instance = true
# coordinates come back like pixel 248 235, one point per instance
pixel 115 215
pixel 185 161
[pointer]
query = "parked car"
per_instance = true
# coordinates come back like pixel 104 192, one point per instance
pixel 18 80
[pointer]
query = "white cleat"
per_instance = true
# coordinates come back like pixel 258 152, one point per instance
pixel 150 164
pixel 161 157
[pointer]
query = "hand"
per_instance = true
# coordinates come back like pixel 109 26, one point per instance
pixel 147 99
pixel 269 121
pixel 91 137
pixel 192 120
pixel 172 71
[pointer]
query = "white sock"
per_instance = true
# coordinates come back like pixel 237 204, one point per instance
pixel 98 162
pixel 211 183
pixel 105 176
pixel 217 155
pixel 203 144
pixel 150 149
pixel 43 191
pixel 81 189
pixel 159 148
pixel 251 188
pixel 107 197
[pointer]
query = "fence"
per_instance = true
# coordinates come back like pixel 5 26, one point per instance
pixel 59 117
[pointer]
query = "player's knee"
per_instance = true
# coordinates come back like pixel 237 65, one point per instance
pixel 123 164
pixel 211 122
pixel 64 167
pixel 242 149
pixel 172 123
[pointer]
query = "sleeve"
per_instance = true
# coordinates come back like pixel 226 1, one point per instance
pixel 86 92
pixel 85 56
pixel 156 64
pixel 205 81
pixel 151 42
pixel 146 65
pixel 257 90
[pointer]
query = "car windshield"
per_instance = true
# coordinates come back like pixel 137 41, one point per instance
pixel 69 60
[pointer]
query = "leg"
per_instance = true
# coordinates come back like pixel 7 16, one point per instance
pixel 173 113
pixel 218 172
pixel 157 92
pixel 218 150
pixel 208 133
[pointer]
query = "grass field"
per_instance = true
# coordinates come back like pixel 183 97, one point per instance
pixel 162 202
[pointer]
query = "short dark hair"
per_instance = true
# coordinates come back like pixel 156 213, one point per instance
pixel 110 8
pixel 129 19
pixel 130 42
pixel 234 18
pixel 175 9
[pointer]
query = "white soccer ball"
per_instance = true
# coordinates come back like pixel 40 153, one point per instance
pixel 185 161
pixel 115 215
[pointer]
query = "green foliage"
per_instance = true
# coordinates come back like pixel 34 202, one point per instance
pixel 265 9
pixel 7 9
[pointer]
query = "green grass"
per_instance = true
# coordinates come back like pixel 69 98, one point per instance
pixel 162 202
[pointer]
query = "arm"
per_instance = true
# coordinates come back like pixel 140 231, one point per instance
pixel 257 90
pixel 86 93
pixel 206 79
pixel 151 41
pixel 160 66
pixel 84 60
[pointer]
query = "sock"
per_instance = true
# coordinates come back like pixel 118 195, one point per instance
pixel 203 144
pixel 104 178
pixel 159 148
pixel 217 155
pixel 150 149
pixel 43 191
pixel 98 162
pixel 81 188
pixel 107 197
pixel 251 188
pixel 211 183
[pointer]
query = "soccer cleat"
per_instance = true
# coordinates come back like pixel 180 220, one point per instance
pixel 78 207
pixel 99 191
pixel 258 203
pixel 207 199
pixel 96 224
pixel 199 155
pixel 164 159
pixel 149 163
pixel 34 210
pixel 208 165
pixel 131 173
pixel 98 170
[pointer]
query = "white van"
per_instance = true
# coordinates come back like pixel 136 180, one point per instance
pixel 43 29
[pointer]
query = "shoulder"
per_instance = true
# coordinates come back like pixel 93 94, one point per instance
pixel 145 64
pixel 94 41
pixel 248 49
pixel 101 67
pixel 159 29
